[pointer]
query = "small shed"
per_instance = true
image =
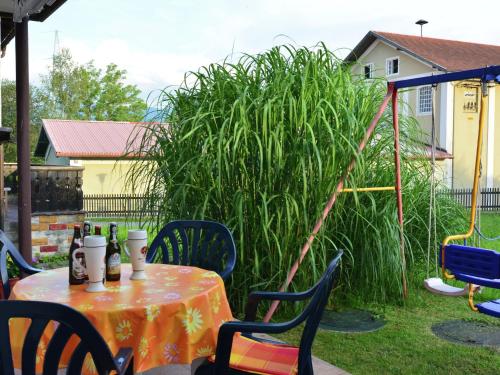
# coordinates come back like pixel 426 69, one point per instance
pixel 105 149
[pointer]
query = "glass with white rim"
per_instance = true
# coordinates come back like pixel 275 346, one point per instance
pixel 94 249
pixel 136 248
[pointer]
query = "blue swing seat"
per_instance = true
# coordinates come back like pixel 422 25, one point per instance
pixel 491 308
pixel 476 266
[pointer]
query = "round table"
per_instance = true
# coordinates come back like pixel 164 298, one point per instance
pixel 173 317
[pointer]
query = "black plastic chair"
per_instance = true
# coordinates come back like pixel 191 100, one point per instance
pixel 312 314
pixel 8 248
pixel 199 243
pixel 70 322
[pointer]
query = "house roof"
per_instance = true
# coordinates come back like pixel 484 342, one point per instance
pixel 90 139
pixel 442 54
pixel 439 154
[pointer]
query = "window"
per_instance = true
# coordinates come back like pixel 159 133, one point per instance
pixel 392 66
pixel 424 100
pixel 369 70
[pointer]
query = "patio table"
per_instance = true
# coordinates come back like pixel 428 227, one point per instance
pixel 173 317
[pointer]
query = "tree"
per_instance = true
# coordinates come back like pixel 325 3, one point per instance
pixel 74 91
pixel 37 111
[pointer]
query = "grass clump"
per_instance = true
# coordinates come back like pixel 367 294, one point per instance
pixel 260 144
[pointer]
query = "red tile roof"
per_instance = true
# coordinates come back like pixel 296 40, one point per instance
pixel 443 54
pixel 90 139
pixel 439 154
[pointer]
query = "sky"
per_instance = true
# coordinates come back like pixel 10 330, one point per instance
pixel 158 41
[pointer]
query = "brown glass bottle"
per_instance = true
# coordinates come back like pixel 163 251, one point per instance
pixel 87 227
pixel 113 255
pixel 76 276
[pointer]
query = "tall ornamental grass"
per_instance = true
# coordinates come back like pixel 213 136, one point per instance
pixel 260 145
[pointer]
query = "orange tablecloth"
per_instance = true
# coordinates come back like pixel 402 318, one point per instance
pixel 172 317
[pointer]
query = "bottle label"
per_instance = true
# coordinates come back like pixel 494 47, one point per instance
pixel 77 271
pixel 114 263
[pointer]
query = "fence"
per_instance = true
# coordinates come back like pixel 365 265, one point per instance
pixel 111 205
pixel 489 198
pixel 56 189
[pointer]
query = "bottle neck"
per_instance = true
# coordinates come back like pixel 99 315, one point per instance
pixel 112 236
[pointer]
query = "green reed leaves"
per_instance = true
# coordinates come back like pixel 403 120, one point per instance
pixel 260 145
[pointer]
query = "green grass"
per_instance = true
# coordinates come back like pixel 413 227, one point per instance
pixel 406 345
pixel 490 227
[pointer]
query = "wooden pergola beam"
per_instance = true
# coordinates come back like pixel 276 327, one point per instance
pixel 23 139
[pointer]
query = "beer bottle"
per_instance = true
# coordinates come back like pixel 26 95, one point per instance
pixel 87 225
pixel 113 255
pixel 76 276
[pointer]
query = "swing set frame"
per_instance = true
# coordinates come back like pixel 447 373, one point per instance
pixel 486 74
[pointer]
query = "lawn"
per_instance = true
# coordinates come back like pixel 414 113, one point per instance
pixel 406 345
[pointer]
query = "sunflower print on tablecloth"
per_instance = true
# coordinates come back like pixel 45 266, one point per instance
pixel 192 321
pixel 124 330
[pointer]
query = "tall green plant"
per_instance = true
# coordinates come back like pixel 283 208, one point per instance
pixel 260 145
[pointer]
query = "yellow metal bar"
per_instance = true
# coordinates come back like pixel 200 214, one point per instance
pixel 360 190
pixel 482 121
pixel 471 297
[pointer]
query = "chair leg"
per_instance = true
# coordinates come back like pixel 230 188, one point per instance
pixel 130 368
pixel 308 368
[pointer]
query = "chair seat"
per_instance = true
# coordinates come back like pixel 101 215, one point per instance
pixel 262 357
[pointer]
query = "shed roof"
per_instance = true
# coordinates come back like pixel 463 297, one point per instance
pixel 90 139
pixel 441 54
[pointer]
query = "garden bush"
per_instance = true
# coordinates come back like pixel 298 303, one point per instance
pixel 259 144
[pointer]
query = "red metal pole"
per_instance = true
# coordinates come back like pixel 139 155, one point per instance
pixel 399 196
pixel 331 201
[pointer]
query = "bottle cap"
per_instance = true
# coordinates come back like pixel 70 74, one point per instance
pixel 137 235
pixel 94 241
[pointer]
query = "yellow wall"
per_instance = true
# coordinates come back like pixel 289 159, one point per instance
pixel 496 166
pixel 466 126
pixel 105 176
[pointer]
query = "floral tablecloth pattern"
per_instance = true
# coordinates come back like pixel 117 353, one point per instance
pixel 173 317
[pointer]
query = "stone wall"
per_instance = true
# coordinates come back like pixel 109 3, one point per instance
pixel 52 233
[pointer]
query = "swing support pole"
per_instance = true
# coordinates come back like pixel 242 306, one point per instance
pixel 399 196
pixel 333 198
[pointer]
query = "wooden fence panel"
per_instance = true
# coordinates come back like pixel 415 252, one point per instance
pixel 113 205
pixel 489 198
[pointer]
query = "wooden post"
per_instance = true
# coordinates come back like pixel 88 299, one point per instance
pixel 23 139
pixel 3 205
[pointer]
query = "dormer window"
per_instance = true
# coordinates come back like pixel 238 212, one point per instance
pixel 392 66
pixel 369 71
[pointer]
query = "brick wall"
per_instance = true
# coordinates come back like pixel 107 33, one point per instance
pixel 53 233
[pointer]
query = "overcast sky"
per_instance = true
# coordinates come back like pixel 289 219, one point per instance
pixel 157 41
